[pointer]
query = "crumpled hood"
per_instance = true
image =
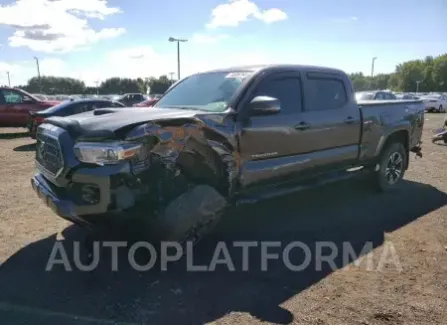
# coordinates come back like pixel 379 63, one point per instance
pixel 111 120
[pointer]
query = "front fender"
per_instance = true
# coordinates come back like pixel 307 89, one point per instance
pixel 193 147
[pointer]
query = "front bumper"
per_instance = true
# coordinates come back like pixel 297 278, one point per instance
pixel 89 197
pixel 431 106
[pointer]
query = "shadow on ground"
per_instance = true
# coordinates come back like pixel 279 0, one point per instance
pixel 26 147
pixel 345 212
pixel 13 135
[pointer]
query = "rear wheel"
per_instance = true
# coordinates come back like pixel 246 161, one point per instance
pixel 392 167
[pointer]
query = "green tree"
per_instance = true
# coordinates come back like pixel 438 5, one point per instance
pixel 440 73
pixel 160 85
pixel 120 86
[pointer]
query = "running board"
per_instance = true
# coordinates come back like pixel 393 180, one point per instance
pixel 313 183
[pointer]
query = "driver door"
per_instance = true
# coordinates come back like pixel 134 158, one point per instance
pixel 16 111
pixel 271 144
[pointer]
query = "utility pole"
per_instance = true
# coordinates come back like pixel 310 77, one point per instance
pixel 97 87
pixel 9 80
pixel 372 71
pixel 417 85
pixel 172 76
pixel 38 72
pixel 177 40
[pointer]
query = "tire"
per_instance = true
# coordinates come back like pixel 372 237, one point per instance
pixel 191 215
pixel 392 167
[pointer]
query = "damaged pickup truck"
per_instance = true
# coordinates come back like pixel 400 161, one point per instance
pixel 219 138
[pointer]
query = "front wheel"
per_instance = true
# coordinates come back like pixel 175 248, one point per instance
pixel 392 167
pixel 191 215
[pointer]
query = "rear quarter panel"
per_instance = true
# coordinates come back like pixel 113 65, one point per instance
pixel 383 118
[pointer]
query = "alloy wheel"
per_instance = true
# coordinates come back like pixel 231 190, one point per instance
pixel 394 168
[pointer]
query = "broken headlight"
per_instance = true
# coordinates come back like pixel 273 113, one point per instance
pixel 101 153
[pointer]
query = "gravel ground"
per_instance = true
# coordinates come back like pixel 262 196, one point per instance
pixel 409 226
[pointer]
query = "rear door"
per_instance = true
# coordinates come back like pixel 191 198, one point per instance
pixel 4 114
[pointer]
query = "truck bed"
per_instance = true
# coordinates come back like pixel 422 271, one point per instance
pixel 382 117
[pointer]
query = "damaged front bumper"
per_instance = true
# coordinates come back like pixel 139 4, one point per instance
pixel 91 193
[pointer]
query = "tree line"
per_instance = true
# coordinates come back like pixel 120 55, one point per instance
pixel 63 85
pixel 429 74
pixel 425 75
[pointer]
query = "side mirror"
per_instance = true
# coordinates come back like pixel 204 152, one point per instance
pixel 264 105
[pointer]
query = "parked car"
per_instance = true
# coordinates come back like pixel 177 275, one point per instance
pixel 40 96
pixel 67 108
pixel 148 102
pixel 435 103
pixel 131 99
pixel 406 96
pixel 375 95
pixel 16 104
pixel 218 138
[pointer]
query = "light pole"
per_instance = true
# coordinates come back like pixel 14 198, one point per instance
pixel 417 85
pixel 178 40
pixel 38 72
pixel 172 76
pixel 372 70
pixel 97 86
pixel 9 80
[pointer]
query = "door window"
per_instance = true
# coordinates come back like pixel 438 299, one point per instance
pixel 389 96
pixel 325 94
pixel 81 108
pixel 379 96
pixel 287 90
pixel 12 97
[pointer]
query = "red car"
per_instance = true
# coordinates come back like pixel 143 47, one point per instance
pixel 147 103
pixel 16 106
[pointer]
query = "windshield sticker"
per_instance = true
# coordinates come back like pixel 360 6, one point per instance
pixel 237 75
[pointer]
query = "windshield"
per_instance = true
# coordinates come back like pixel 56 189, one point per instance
pixel 364 96
pixel 210 91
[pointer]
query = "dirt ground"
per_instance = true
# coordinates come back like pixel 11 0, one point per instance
pixel 413 221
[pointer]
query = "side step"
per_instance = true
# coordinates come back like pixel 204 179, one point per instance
pixel 308 184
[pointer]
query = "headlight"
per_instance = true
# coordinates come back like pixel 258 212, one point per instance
pixel 105 153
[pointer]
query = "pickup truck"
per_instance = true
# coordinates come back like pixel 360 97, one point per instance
pixel 220 138
pixel 16 106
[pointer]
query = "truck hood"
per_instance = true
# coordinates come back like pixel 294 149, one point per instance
pixel 105 122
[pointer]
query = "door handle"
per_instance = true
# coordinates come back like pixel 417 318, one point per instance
pixel 349 120
pixel 302 126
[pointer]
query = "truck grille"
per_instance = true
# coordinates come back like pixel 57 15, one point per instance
pixel 48 153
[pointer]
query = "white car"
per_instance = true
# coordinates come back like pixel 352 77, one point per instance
pixel 435 103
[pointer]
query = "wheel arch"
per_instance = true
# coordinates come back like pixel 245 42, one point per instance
pixel 400 136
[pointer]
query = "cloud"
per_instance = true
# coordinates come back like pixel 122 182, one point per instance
pixel 237 11
pixel 56 25
pixel 208 39
pixel 133 62
pixel 21 71
pixel 345 20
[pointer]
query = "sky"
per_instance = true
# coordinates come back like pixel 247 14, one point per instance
pixel 96 39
